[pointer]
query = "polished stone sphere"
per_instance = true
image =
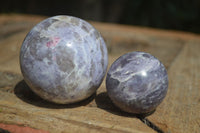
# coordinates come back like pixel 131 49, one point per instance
pixel 63 59
pixel 137 82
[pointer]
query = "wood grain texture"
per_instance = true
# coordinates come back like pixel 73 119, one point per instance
pixel 179 112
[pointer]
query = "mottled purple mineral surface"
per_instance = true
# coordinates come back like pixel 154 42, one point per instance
pixel 137 82
pixel 63 59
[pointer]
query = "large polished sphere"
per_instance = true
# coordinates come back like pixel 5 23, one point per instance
pixel 63 59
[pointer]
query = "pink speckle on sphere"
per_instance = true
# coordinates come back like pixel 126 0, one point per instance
pixel 53 42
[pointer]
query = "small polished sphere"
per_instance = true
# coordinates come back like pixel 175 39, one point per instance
pixel 137 82
pixel 63 59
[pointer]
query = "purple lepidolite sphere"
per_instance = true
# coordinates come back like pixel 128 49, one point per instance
pixel 63 59
pixel 137 82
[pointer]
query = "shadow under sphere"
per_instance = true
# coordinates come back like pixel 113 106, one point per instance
pixel 23 92
pixel 104 102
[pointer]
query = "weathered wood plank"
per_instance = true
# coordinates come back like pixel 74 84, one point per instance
pixel 58 118
pixel 178 113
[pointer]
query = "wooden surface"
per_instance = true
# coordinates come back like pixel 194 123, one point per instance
pixel 179 112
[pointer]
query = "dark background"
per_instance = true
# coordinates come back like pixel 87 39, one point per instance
pixel 166 14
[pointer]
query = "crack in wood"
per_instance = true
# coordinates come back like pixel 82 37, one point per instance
pixel 151 125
